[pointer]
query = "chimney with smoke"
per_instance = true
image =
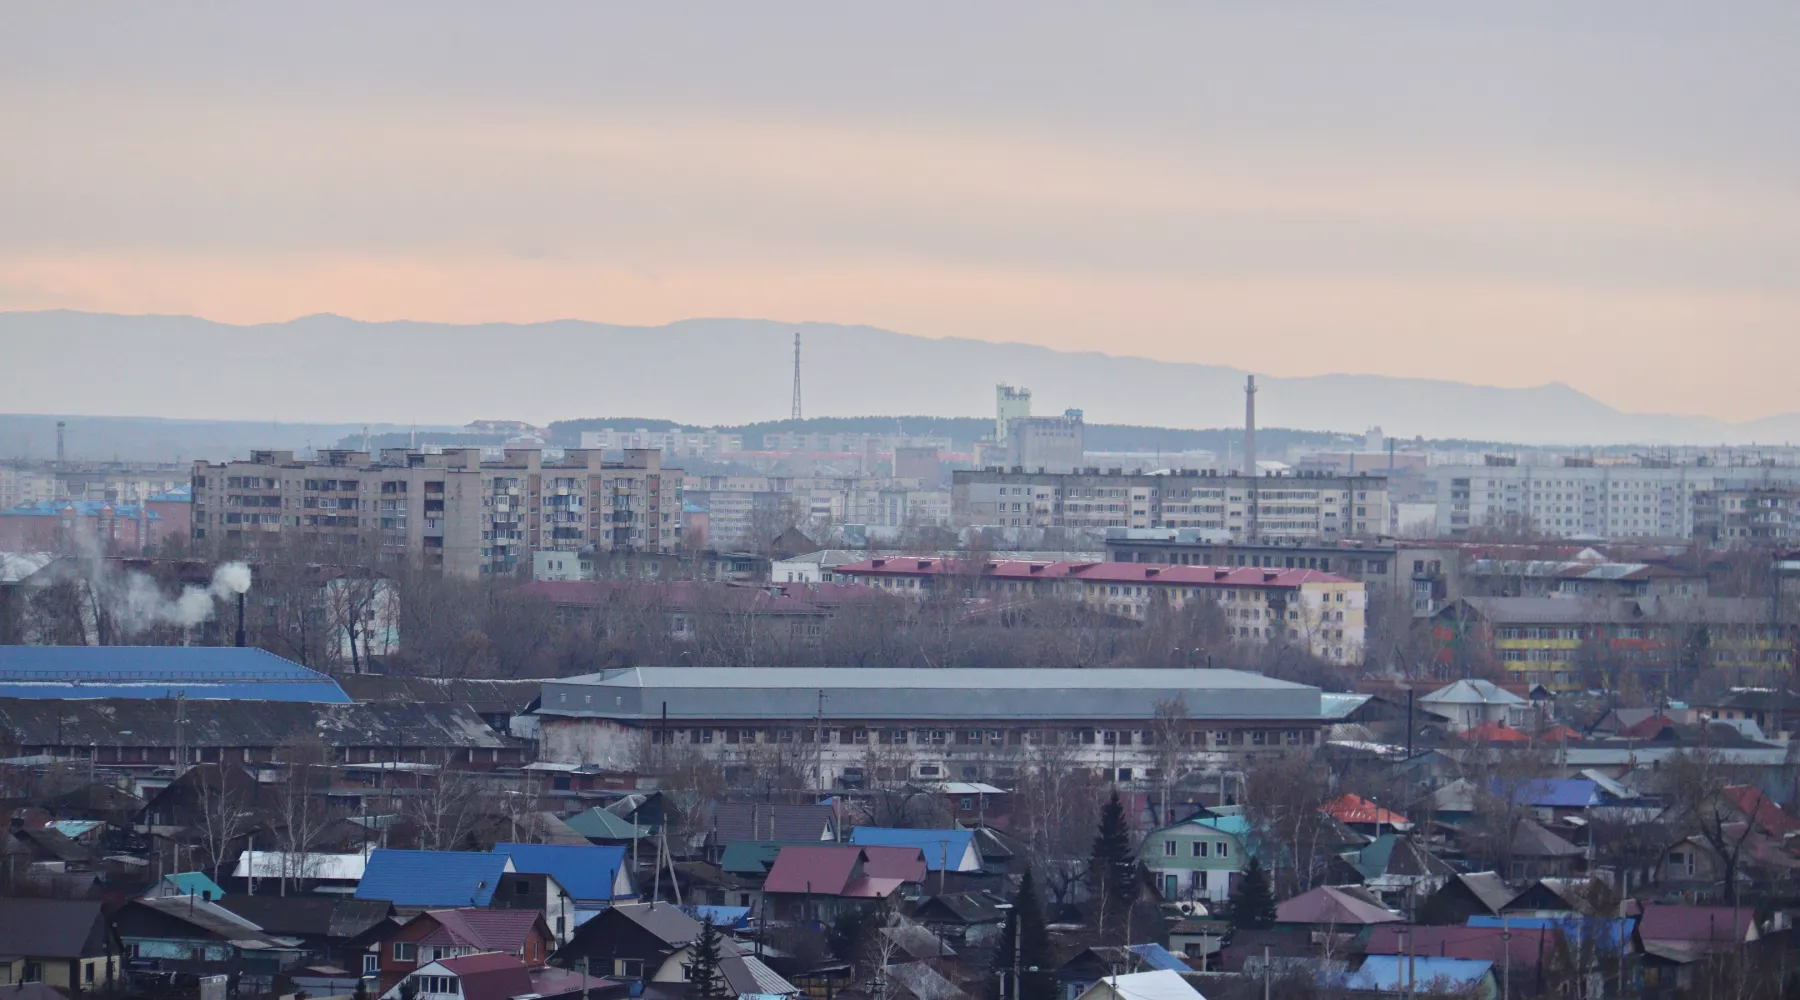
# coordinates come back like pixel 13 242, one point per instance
pixel 1250 455
pixel 240 631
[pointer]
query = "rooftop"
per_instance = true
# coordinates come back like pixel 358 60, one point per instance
pixel 196 672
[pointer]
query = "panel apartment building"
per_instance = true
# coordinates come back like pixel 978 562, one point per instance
pixel 1271 509
pixel 452 512
pixel 1580 498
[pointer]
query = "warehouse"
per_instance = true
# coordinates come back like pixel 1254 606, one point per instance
pixel 841 726
pixel 193 672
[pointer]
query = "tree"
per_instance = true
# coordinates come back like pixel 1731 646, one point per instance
pixel 409 988
pixel 1283 796
pixel 704 980
pixel 1700 787
pixel 222 812
pixel 1112 871
pixel 301 807
pixel 1025 926
pixel 1253 904
pixel 445 811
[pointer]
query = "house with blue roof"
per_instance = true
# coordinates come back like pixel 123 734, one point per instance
pixel 51 525
pixel 944 850
pixel 593 876
pixel 226 673
pixel 433 880
pixel 1424 975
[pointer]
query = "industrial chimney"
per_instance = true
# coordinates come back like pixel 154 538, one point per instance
pixel 1250 456
pixel 60 427
pixel 240 632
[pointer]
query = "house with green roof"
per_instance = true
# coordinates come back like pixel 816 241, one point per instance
pixel 602 827
pixel 1198 858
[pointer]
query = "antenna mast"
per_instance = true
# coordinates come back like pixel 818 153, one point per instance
pixel 796 414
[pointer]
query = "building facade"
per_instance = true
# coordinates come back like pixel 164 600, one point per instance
pixel 1580 498
pixel 853 725
pixel 450 512
pixel 1271 509
pixel 1764 515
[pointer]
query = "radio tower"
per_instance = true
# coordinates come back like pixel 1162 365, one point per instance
pixel 796 375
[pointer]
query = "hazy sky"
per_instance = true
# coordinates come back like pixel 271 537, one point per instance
pixel 1606 194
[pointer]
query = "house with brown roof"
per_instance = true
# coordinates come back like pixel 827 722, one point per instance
pixel 765 822
pixel 442 934
pixel 65 943
pixel 647 943
pixel 809 884
pixel 485 976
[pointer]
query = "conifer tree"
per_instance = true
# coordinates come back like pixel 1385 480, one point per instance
pixel 1112 871
pixel 704 980
pixel 1253 904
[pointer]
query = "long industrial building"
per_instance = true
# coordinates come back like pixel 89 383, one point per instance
pixel 848 725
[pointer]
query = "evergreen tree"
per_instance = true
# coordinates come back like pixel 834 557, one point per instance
pixel 1253 904
pixel 409 988
pixel 704 980
pixel 1112 871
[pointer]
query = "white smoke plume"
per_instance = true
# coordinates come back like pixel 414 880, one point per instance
pixel 135 604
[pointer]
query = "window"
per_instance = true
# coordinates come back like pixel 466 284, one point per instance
pixel 405 951
pixel 1224 849
pixel 522 887
pixel 371 963
pixel 628 968
pixel 1199 848
pixel 1258 737
pixel 1197 881
pixel 440 985
pixel 34 973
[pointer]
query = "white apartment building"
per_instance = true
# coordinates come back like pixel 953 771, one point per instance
pixel 1273 509
pixel 1581 499
pixel 675 443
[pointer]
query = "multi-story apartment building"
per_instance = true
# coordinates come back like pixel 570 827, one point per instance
pixel 735 504
pixel 851 725
pixel 1760 515
pixel 674 443
pixel 1563 643
pixel 1052 444
pixel 451 512
pixel 1580 498
pixel 1322 613
pixel 1277 509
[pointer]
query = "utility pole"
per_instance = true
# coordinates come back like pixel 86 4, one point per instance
pixel 796 413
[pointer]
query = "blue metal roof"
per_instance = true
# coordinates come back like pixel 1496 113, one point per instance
pixel 1613 932
pixel 81 508
pixel 1554 793
pixel 198 672
pixel 431 878
pixel 1159 958
pixel 722 916
pixel 587 872
pixel 193 884
pixel 1387 973
pixel 940 847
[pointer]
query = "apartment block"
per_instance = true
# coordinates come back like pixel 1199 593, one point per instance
pixel 674 443
pixel 1050 444
pixel 449 511
pixel 1762 515
pixel 1274 509
pixel 1580 498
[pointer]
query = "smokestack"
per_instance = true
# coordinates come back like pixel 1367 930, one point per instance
pixel 60 426
pixel 1250 426
pixel 240 632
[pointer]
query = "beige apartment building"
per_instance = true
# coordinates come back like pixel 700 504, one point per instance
pixel 449 511
pixel 1285 509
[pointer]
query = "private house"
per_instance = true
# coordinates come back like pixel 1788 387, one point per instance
pixel 592 876
pixel 415 881
pixel 1161 984
pixel 818 884
pixel 944 850
pixel 1397 975
pixel 328 928
pixel 189 934
pixel 1467 704
pixel 62 943
pixel 436 935
pixel 769 822
pixel 644 943
pixel 1196 859
pixel 487 976
pixel 1483 894
pixel 1343 908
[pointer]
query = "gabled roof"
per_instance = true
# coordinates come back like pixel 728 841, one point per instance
pixel 666 923
pixel 1531 840
pixel 1393 855
pixel 826 870
pixel 587 872
pixel 192 884
pixel 1712 926
pixel 483 929
pixel 214 919
pixel 1760 810
pixel 1158 957
pixel 1161 984
pixel 444 879
pixel 1528 945
pixel 599 824
pixel 771 821
pixel 749 977
pixel 1488 888
pixel 750 857
pixel 1357 810
pixel 942 848
pixel 904 863
pixel 1492 732
pixel 309 916
pixel 1472 692
pixel 52 928
pixel 489 976
pixel 1389 973
pixel 1554 793
pixel 1331 905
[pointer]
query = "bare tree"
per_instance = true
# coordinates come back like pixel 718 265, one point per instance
pixel 222 812
pixel 447 809
pixel 302 807
pixel 1283 800
pixel 1698 783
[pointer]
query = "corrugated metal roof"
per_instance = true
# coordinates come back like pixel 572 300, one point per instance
pixel 198 672
pixel 144 722
pixel 909 693
pixel 589 873
pixel 446 879
pixel 1388 973
pixel 943 849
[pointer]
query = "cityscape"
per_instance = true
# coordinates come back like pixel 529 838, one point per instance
pixel 1150 566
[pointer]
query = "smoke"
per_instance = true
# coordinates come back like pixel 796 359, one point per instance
pixel 135 604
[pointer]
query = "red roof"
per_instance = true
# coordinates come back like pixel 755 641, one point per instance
pixel 1559 734
pixel 904 863
pixel 1102 572
pixel 1527 945
pixel 1711 925
pixel 1646 729
pixel 828 870
pixel 489 930
pixel 1355 809
pixel 490 976
pixel 772 598
pixel 1768 817
pixel 1493 732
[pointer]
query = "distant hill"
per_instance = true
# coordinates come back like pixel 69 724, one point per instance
pixel 734 371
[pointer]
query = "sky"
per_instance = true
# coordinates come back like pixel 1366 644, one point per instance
pixel 1605 194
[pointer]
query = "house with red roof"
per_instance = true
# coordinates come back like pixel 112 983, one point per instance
pixel 1492 733
pixel 441 934
pixel 489 975
pixel 816 883
pixel 1363 816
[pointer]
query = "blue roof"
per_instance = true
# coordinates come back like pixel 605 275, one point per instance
pixel 722 916
pixel 180 494
pixel 1613 930
pixel 194 884
pixel 1555 793
pixel 198 672
pixel 1387 973
pixel 938 846
pixel 1159 958
pixel 432 878
pixel 586 872
pixel 82 508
